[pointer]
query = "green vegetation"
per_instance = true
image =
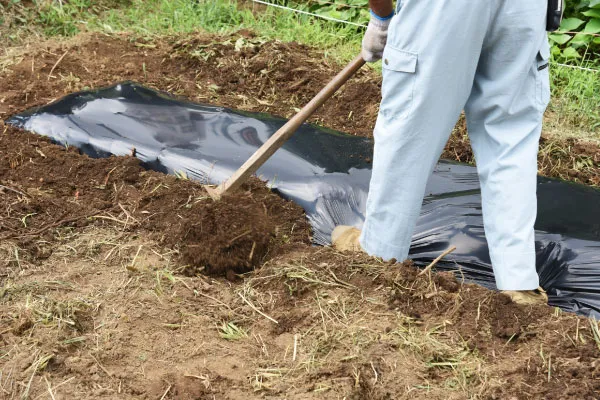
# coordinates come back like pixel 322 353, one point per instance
pixel 578 36
pixel 158 17
pixel 577 39
pixel 347 10
pixel 576 98
pixel 223 16
pixel 576 93
pixel 48 17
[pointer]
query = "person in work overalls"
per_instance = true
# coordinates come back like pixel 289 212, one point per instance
pixel 439 57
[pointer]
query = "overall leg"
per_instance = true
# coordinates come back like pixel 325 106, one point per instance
pixel 504 120
pixel 429 64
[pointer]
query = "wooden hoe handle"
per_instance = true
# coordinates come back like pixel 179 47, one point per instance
pixel 285 132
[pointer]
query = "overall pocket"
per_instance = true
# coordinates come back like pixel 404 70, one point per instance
pixel 399 76
pixel 543 77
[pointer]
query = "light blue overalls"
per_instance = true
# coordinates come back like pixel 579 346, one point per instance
pixel 490 58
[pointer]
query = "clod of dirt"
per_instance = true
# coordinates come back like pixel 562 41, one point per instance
pixel 23 327
pixel 233 234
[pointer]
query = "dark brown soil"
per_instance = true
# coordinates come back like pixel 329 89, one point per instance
pixel 46 187
pixel 516 340
pixel 569 158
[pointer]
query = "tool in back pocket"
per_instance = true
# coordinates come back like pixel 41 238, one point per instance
pixel 556 8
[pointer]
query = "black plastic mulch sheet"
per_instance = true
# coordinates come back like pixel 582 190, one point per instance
pixel 327 173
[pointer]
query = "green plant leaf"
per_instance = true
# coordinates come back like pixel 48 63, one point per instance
pixel 593 26
pixel 333 14
pixel 594 4
pixel 592 12
pixel 581 40
pixel 346 15
pixel 555 50
pixel 570 24
pixel 570 53
pixel 560 38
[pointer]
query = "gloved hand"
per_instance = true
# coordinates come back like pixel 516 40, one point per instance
pixel 375 38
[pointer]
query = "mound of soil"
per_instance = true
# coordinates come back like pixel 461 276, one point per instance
pixel 282 77
pixel 46 187
pixel 238 71
pixel 529 352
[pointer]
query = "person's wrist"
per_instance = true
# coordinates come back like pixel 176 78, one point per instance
pixel 379 20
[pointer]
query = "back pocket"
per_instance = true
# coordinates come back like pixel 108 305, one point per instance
pixel 543 77
pixel 399 76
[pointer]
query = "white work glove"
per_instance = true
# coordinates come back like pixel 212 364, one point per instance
pixel 375 38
